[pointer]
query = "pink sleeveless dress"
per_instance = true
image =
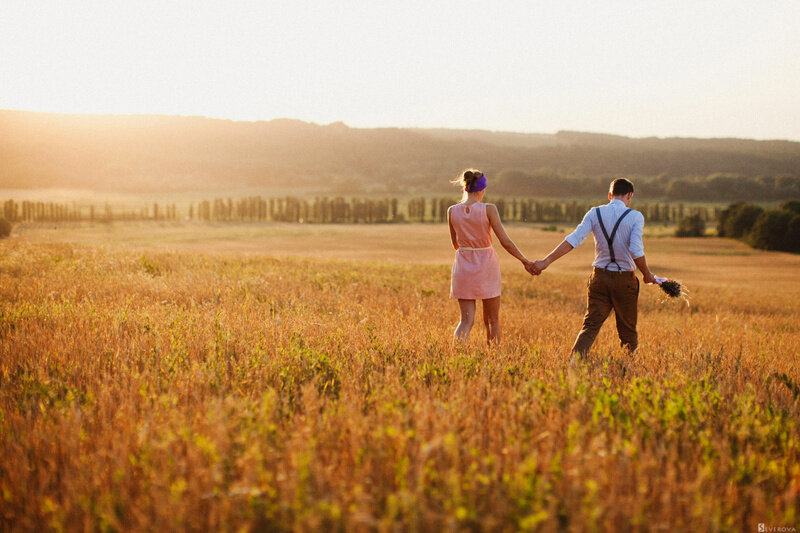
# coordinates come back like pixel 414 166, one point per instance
pixel 476 269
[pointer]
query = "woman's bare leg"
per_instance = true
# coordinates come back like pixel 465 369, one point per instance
pixel 467 308
pixel 491 319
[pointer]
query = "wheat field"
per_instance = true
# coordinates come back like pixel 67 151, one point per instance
pixel 158 377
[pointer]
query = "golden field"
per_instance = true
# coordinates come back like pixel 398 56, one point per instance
pixel 161 377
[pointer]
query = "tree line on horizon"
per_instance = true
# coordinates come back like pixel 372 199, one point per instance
pixel 331 210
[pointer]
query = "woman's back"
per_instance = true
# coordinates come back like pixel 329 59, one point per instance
pixel 476 270
pixel 471 224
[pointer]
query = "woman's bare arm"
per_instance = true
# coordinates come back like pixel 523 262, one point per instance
pixel 502 236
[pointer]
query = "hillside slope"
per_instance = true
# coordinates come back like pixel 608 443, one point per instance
pixel 140 153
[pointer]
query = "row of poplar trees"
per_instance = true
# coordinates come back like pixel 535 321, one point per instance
pixel 323 210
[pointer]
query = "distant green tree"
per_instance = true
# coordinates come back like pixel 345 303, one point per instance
pixel 682 189
pixel 770 230
pixel 5 228
pixel 724 215
pixel 792 205
pixel 740 220
pixel 734 186
pixel 691 226
pixel 793 234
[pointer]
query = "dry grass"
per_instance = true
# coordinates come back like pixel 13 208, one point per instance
pixel 158 385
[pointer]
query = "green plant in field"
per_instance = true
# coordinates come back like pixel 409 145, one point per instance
pixel 788 382
pixel 148 266
pixel 302 365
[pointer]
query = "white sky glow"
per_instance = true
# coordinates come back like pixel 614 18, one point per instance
pixel 639 68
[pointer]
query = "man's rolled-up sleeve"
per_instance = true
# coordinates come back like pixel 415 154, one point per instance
pixel 581 231
pixel 636 246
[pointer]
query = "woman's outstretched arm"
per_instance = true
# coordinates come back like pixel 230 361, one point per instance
pixel 502 236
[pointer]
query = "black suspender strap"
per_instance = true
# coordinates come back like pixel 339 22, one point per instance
pixel 610 240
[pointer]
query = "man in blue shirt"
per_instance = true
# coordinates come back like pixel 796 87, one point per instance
pixel 618 251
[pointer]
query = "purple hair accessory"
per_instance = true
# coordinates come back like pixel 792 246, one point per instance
pixel 479 185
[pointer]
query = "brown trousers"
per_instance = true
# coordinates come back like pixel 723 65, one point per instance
pixel 609 290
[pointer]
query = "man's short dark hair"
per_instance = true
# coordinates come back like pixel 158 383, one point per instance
pixel 620 187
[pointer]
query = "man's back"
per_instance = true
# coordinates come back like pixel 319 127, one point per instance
pixel 627 241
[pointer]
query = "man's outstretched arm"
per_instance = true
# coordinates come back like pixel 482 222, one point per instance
pixel 573 240
pixel 559 251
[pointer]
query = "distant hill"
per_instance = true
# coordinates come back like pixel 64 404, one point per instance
pixel 140 153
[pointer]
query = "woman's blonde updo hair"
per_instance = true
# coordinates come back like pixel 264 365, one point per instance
pixel 467 180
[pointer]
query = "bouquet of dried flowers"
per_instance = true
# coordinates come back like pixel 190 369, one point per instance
pixel 673 288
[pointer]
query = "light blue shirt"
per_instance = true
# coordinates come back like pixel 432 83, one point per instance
pixel 628 243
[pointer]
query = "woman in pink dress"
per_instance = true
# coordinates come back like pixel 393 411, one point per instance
pixel 476 269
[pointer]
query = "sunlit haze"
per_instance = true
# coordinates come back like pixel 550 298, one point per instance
pixel 702 69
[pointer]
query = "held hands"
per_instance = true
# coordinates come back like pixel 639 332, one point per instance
pixel 535 268
pixel 532 267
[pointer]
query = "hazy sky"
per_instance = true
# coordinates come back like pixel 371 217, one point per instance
pixel 640 68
